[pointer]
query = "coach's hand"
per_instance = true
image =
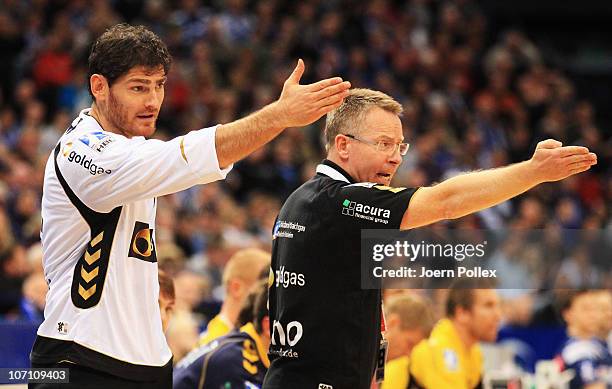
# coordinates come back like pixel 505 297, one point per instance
pixel 300 105
pixel 554 162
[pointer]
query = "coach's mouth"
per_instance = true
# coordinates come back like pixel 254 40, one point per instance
pixel 146 116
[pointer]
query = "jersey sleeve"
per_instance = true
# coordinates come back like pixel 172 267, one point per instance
pixel 373 206
pixel 106 170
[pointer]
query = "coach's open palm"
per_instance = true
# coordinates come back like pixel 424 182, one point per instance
pixel 554 162
pixel 301 105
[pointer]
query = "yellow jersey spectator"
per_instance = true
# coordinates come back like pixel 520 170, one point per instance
pixel 240 274
pixel 451 358
pixel 408 321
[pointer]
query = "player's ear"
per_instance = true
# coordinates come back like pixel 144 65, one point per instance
pixel 341 143
pixel 462 315
pixel 234 287
pixel 393 321
pixel 99 86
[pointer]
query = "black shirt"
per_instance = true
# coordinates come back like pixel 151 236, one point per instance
pixel 325 329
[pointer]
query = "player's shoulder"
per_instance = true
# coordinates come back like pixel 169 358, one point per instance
pixel 86 134
pixel 360 190
pixel 229 348
pixel 196 356
pixel 423 351
pixel 579 350
pixel 228 360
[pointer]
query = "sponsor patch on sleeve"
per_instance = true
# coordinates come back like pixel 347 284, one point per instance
pixel 97 140
pixel 451 361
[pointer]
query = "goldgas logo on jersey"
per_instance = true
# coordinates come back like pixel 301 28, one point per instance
pixel 82 161
pixel 364 211
pixel 286 278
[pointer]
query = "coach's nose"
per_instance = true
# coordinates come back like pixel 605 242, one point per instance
pixel 396 157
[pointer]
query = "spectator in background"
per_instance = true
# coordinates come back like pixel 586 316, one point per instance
pixel 34 293
pixel 179 325
pixel 604 298
pixel 408 320
pixel 240 274
pixel 190 289
pixel 236 360
pixel 14 269
pixel 182 333
pixel 585 352
pixel 166 298
pixel 451 357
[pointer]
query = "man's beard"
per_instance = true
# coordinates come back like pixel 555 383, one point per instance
pixel 117 115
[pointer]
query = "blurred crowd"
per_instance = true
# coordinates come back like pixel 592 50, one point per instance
pixel 471 101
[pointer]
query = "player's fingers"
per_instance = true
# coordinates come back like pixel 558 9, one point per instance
pixel 549 144
pixel 327 108
pixel 573 158
pixel 297 73
pixel 579 170
pixel 571 150
pixel 333 99
pixel 580 165
pixel 336 89
pixel 323 84
pixel 587 160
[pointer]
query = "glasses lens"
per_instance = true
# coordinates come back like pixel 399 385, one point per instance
pixel 403 148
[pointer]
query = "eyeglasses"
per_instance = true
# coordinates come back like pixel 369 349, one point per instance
pixel 383 146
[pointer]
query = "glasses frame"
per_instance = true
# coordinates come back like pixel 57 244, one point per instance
pixel 378 144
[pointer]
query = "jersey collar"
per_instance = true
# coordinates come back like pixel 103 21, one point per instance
pixel 332 170
pixel 249 328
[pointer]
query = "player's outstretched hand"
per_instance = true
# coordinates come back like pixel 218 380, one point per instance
pixel 553 161
pixel 300 105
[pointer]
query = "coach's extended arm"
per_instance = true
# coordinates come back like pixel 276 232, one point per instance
pixel 472 192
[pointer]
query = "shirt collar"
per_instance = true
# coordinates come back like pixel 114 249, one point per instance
pixel 86 115
pixel 249 328
pixel 332 170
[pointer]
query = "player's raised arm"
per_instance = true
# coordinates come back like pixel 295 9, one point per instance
pixel 472 192
pixel 298 105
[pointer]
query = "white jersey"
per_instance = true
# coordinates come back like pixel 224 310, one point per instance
pixel 98 238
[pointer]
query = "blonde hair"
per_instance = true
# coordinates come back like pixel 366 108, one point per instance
pixel 412 310
pixel 348 116
pixel 246 264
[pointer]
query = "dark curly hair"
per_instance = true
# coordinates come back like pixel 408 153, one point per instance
pixel 122 47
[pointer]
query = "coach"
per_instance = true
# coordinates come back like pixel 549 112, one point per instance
pixel 325 329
